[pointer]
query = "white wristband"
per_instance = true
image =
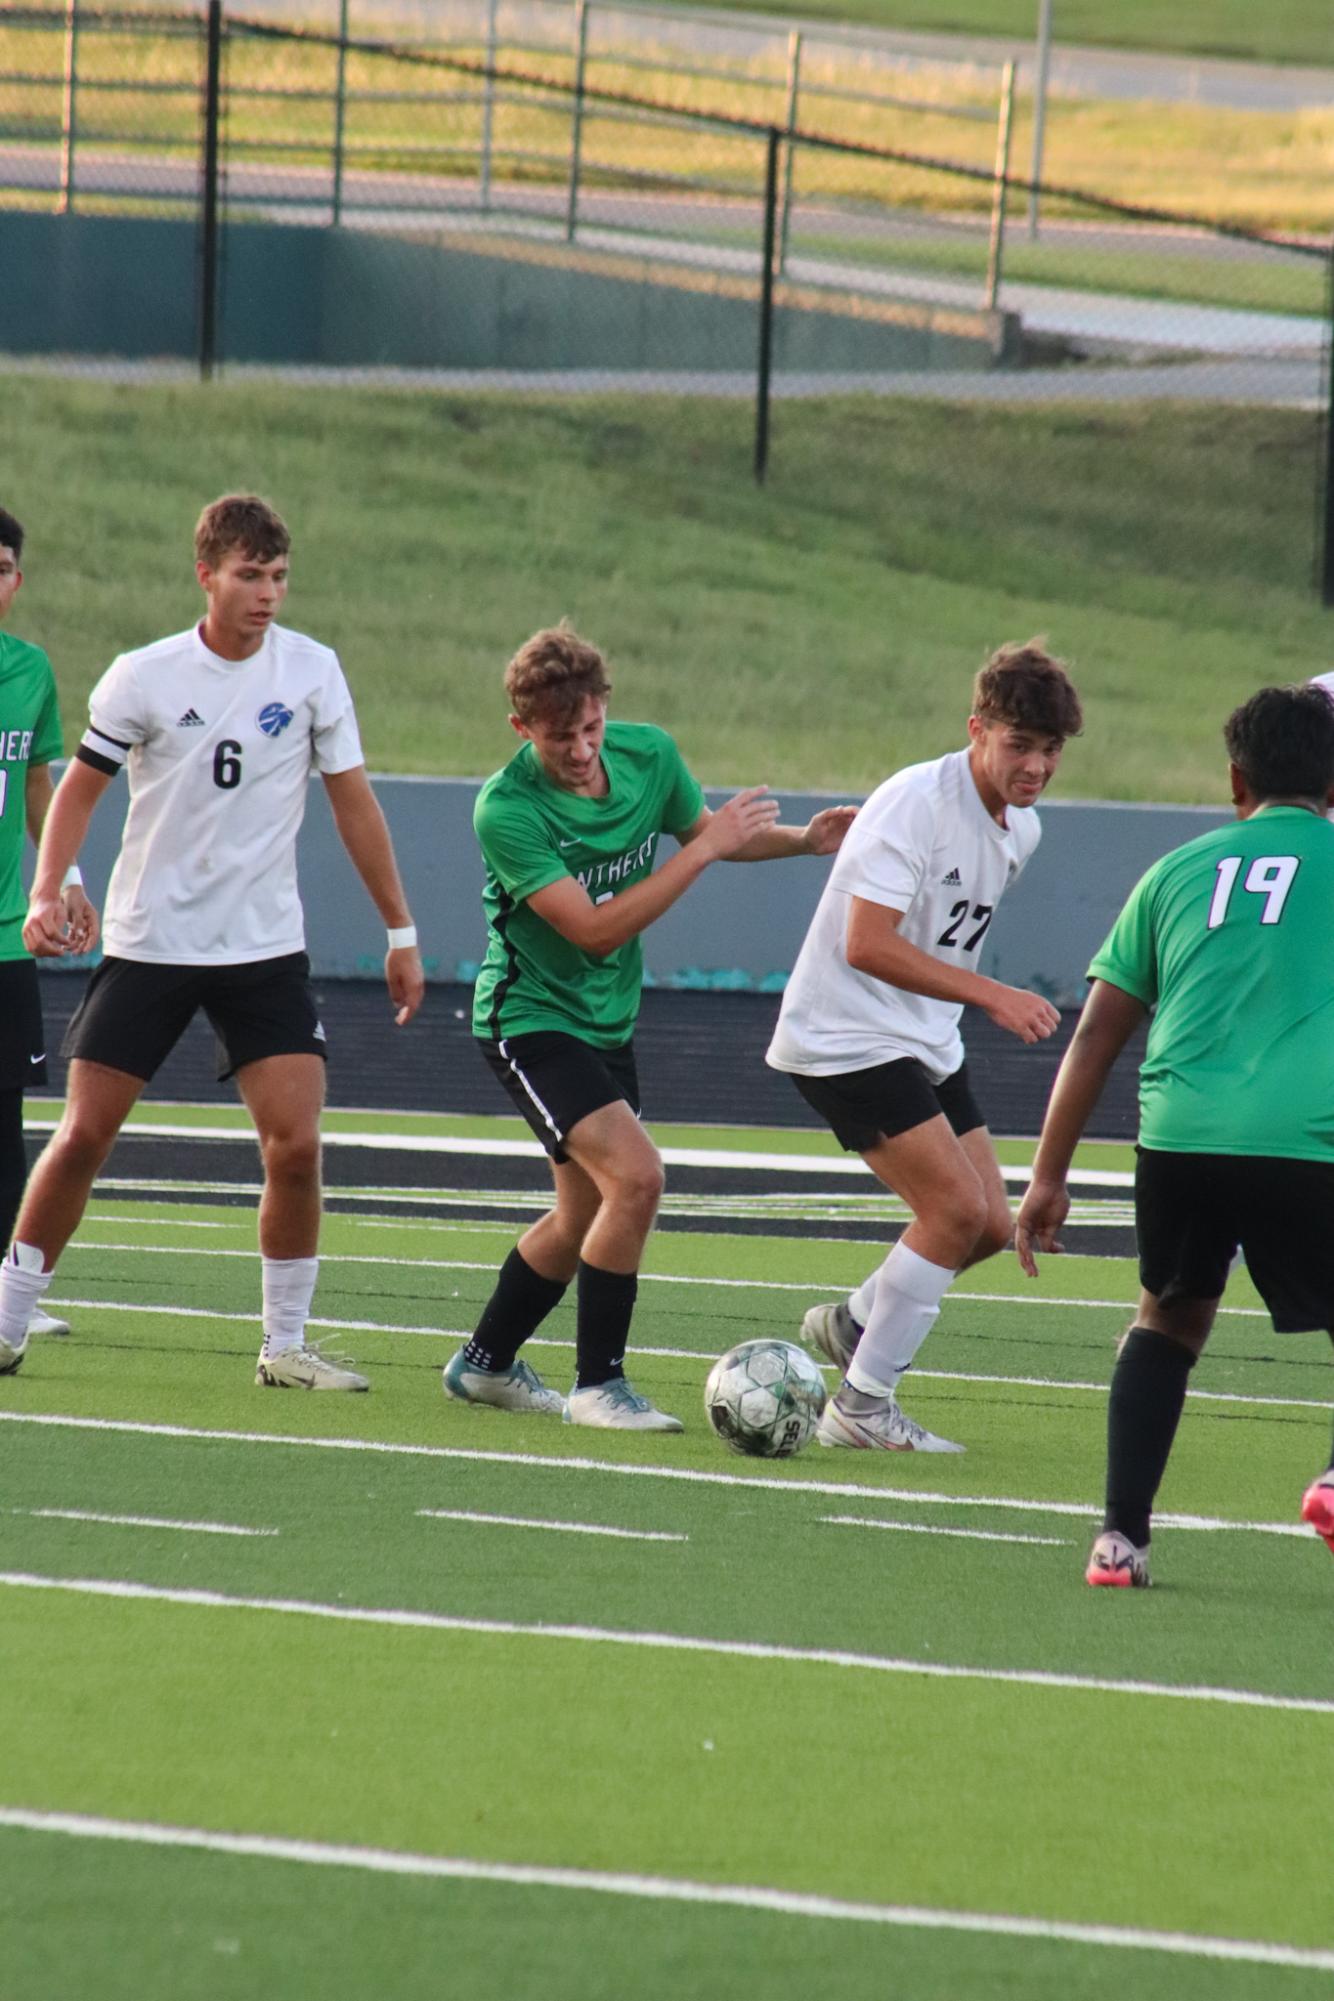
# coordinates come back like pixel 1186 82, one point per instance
pixel 401 938
pixel 72 877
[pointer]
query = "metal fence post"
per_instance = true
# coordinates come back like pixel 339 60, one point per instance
pixel 1039 110
pixel 69 109
pixel 1000 188
pixel 1327 537
pixel 794 43
pixel 577 116
pixel 488 108
pixel 767 261
pixel 208 230
pixel 340 111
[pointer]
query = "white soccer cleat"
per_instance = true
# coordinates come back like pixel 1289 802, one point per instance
pixel 305 1369
pixel 875 1424
pixel 11 1355
pixel 617 1407
pixel 1115 1560
pixel 41 1322
pixel 832 1332
pixel 516 1388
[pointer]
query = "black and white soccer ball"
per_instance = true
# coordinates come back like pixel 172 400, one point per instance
pixel 764 1398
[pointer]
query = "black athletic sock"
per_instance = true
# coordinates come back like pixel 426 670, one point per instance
pixel 518 1306
pixel 1143 1411
pixel 602 1328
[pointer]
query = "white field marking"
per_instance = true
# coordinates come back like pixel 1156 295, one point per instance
pixel 669 1354
pixel 934 1528
pixel 139 1521
pixel 816 1286
pixel 670 1889
pixel 566 1528
pixel 403 1618
pixel 665 1889
pixel 838 1165
pixel 839 1490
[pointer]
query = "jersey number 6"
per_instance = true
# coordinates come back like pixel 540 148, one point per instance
pixel 227 765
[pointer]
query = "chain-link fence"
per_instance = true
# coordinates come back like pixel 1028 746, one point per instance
pixel 506 209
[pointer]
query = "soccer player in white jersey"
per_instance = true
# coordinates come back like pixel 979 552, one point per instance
pixel 869 1026
pixel 220 728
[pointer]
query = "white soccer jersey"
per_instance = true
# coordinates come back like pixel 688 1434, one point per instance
pixel 926 845
pixel 219 755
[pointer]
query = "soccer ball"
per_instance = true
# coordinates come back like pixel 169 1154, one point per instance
pixel 764 1398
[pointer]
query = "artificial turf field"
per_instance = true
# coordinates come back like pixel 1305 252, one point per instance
pixel 383 1694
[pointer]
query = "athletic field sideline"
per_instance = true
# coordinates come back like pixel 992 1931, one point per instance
pixel 375 1694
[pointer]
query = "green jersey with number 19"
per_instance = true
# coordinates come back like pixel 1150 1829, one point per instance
pixel 1229 939
pixel 29 734
pixel 532 833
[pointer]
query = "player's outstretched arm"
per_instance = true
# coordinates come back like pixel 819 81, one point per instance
pixel 56 924
pixel 363 832
pixel 822 835
pixel 1110 1018
pixel 875 946
pixel 601 928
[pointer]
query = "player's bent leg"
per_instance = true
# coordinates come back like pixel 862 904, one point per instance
pixel 531 1283
pixel 625 1167
pixel 997 1232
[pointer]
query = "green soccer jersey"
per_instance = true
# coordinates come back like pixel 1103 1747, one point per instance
pixel 1229 940
pixel 533 833
pixel 29 734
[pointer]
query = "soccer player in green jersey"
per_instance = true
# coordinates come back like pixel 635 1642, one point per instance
pixel 569 831
pixel 1227 942
pixel 29 740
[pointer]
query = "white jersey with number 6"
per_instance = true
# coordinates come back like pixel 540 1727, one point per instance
pixel 219 755
pixel 923 844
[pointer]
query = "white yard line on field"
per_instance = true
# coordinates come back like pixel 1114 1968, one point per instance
pixel 690 1475
pixel 139 1521
pixel 402 1618
pixel 565 1528
pixel 935 1528
pixel 663 1889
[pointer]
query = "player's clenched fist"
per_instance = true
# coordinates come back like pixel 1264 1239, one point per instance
pixel 1026 1015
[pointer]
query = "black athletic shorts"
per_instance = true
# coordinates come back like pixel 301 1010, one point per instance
pixel 1194 1210
pixel 22 1043
pixel 556 1080
pixel 133 1014
pixel 865 1106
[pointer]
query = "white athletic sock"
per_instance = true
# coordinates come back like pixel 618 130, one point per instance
pixel 908 1293
pixel 22 1283
pixel 289 1287
pixel 862 1302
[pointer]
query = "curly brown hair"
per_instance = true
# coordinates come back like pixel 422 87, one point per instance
pixel 553 674
pixel 240 521
pixel 1028 688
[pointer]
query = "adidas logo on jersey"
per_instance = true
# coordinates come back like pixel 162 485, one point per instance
pixel 953 880
pixel 191 720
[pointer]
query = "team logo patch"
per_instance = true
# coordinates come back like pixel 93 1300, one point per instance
pixel 273 718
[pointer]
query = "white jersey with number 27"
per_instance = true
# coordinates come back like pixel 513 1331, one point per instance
pixel 923 844
pixel 219 755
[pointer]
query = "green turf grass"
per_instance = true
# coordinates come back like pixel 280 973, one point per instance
pixel 1290 31
pixel 816 633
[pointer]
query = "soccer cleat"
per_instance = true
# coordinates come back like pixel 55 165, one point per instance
pixel 1318 1506
pixel 617 1407
pixel 515 1388
pixel 832 1332
pixel 876 1424
pixel 1115 1560
pixel 11 1356
pixel 305 1369
pixel 40 1322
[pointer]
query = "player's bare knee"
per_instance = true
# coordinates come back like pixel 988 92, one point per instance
pixel 639 1190
pixel 82 1143
pixel 291 1157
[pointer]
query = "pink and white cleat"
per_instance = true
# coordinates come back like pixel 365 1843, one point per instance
pixel 1318 1506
